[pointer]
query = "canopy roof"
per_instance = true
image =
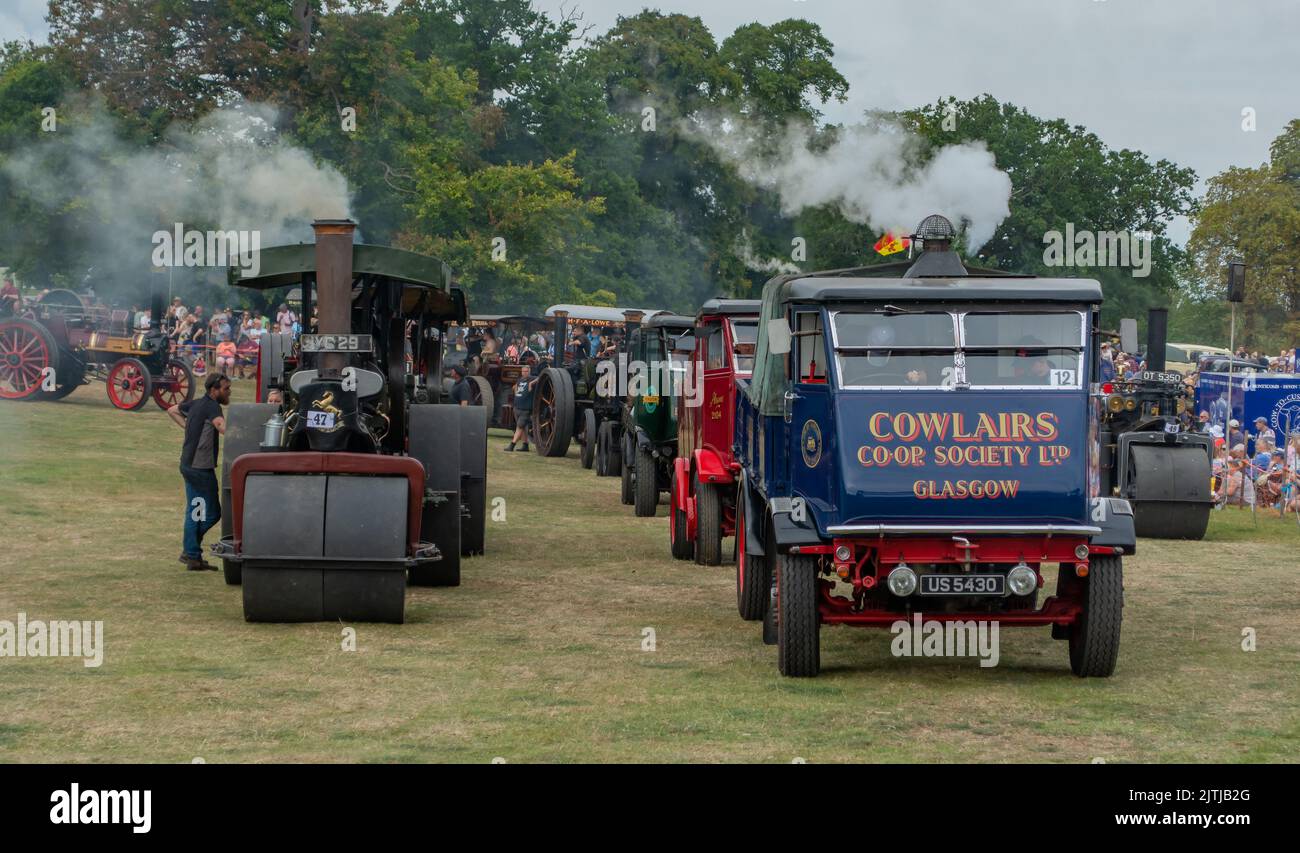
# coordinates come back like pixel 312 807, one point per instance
pixel 597 314
pixel 725 306
pixel 669 321
pixel 536 323
pixel 879 286
pixel 283 265
pixel 426 281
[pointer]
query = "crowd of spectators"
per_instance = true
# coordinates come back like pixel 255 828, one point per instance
pixel 1283 362
pixel 472 345
pixel 1254 469
pixel 228 338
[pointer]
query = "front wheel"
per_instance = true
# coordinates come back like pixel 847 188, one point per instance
pixel 129 384
pixel 708 524
pixel 679 543
pixel 798 626
pixel 587 456
pixel 1094 637
pixel 175 386
pixel 647 486
pixel 628 493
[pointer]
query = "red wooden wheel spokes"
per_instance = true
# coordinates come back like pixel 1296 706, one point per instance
pixel 23 359
pixel 126 384
pixel 173 387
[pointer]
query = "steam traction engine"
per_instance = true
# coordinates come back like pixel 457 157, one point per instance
pixel 1147 456
pixel 62 341
pixel 360 478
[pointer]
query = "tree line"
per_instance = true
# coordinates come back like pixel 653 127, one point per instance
pixel 482 124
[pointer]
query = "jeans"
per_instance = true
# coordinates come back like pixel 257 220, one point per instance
pixel 202 508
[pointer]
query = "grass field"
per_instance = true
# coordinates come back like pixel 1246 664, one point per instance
pixel 538 655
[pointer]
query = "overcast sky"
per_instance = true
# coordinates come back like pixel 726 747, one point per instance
pixel 1167 77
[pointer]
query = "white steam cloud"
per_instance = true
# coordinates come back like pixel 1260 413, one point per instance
pixel 872 173
pixel 745 251
pixel 230 170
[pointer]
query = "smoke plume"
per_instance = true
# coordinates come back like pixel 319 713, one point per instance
pixel 873 173
pixel 231 170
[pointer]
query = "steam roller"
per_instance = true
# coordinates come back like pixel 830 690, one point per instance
pixel 1148 455
pixel 1168 484
pixel 350 478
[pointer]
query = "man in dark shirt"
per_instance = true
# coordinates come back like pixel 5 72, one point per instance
pixel 461 392
pixel 523 406
pixel 204 425
pixel 473 347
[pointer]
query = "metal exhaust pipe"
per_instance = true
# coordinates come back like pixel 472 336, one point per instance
pixel 333 287
pixel 1157 332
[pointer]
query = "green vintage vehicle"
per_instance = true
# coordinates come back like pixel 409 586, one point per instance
pixel 658 360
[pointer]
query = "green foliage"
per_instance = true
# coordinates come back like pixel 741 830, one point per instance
pixel 514 234
pixel 485 119
pixel 781 66
pixel 1254 215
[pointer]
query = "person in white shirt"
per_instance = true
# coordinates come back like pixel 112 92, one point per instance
pixel 285 318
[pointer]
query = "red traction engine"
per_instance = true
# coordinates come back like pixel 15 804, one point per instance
pixel 62 341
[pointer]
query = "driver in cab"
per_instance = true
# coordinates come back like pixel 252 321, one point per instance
pixel 1032 364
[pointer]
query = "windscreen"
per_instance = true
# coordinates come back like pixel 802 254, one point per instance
pixel 904 350
pixel 1007 350
pixel 744 336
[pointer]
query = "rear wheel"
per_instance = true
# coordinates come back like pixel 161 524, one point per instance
pixel 1094 637
pixel 798 641
pixel 480 394
pixel 609 458
pixel 553 412
pixel 71 376
pixel 679 542
pixel 233 572
pixel 588 455
pixel 444 572
pixel 129 384
pixel 27 355
pixel 708 524
pixel 647 489
pixel 752 587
